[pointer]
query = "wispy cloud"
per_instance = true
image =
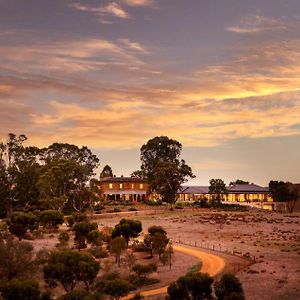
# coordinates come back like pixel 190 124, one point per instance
pixel 104 12
pixel 149 3
pixel 256 24
pixel 71 55
pixel 134 46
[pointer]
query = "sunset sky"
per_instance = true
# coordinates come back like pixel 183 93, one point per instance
pixel 220 76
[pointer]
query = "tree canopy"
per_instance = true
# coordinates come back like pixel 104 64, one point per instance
pixel 193 286
pixel 285 192
pixel 31 178
pixel 106 172
pixel 229 287
pixel 217 188
pixel 70 267
pixel 238 181
pixel 163 167
pixel 127 228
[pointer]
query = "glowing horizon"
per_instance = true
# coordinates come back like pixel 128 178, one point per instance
pixel 221 78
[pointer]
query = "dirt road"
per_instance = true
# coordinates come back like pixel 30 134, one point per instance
pixel 211 264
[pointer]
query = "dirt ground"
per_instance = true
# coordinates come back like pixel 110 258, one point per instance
pixel 273 239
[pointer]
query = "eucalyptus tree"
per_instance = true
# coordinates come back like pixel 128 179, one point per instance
pixel 164 169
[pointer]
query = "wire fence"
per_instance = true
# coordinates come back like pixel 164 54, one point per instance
pixel 217 248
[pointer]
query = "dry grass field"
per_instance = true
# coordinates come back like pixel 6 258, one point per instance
pixel 272 238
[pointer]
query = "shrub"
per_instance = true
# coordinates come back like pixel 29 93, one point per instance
pixel 139 247
pixel 16 259
pixel 82 232
pixel 137 296
pixel 153 202
pixel 20 222
pixel 98 252
pixel 79 217
pixel 80 294
pixel 63 237
pixel 20 289
pixel 192 286
pixel 118 288
pixel 69 267
pixel 51 219
pixel 95 237
pixel 142 271
pixel 229 287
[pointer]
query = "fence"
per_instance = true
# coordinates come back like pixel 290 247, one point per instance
pixel 217 248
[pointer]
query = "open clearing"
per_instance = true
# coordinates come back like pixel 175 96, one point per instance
pixel 272 238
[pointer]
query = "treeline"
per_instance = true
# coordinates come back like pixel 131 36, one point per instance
pixel 57 177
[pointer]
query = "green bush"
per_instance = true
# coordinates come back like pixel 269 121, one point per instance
pixel 118 288
pixel 82 233
pixel 20 223
pixel 51 219
pixel 139 247
pixel 20 289
pixel 63 237
pixel 69 267
pixel 16 259
pixel 229 287
pixel 191 286
pixel 80 294
pixel 142 271
pixel 153 202
pixel 98 252
pixel 79 217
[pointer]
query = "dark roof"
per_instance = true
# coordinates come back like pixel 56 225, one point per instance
pixel 235 189
pixel 122 179
pixel 193 190
pixel 251 188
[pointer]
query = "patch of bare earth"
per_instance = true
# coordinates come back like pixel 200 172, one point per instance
pixel 272 238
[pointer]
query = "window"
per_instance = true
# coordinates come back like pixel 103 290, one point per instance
pixel 132 186
pixel 110 185
pixel 121 185
pixel 141 185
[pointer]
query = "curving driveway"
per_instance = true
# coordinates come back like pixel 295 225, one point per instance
pixel 210 263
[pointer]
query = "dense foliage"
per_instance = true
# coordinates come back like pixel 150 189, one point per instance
pixel 54 177
pixel 163 168
pixel 69 268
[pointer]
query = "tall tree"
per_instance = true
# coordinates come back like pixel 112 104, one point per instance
pixel 19 171
pixel 67 172
pixel 127 228
pixel 163 167
pixel 106 172
pixel 217 188
pixel 4 191
pixel 117 246
pixel 82 156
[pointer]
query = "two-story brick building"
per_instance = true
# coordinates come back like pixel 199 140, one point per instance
pixel 124 188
